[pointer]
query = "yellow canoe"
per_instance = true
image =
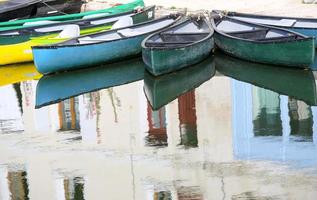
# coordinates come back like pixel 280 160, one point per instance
pixel 17 73
pixel 22 52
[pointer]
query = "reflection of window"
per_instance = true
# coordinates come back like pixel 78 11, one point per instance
pixel 187 119
pixel 163 195
pixel 69 114
pixel 74 188
pixel 192 193
pixel 157 135
pixel 266 113
pixel 301 118
pixel 18 185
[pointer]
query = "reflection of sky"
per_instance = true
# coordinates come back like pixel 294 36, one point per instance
pixel 269 126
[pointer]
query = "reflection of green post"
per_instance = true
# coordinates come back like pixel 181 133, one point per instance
pixel 266 113
pixel 187 119
pixel 74 188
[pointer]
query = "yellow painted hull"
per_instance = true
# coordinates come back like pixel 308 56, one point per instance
pixel 22 52
pixel 17 73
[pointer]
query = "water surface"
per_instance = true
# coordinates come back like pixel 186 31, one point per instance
pixel 223 129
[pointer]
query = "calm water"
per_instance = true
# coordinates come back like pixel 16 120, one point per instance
pixel 224 129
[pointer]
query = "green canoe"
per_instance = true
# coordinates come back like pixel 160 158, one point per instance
pixel 264 44
pixel 293 82
pixel 161 90
pixel 86 26
pixel 35 21
pixel 179 46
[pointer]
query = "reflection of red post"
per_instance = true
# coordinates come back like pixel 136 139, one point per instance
pixel 187 119
pixel 187 109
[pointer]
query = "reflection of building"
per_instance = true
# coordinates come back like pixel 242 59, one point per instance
pixel 18 185
pixel 272 126
pixel 69 114
pixel 157 133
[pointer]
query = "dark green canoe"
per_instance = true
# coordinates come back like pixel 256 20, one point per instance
pixel 263 44
pixel 164 89
pixel 293 82
pixel 86 26
pixel 113 10
pixel 179 46
pixel 55 88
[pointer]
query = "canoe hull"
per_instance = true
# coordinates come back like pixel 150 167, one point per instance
pixel 161 61
pixel 298 53
pixel 307 32
pixel 26 10
pixel 51 60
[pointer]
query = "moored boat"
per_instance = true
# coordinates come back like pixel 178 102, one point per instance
pixel 19 48
pixel 265 44
pixel 86 26
pixel 297 83
pixel 17 8
pixel 130 5
pixel 57 87
pixel 93 49
pixel 179 46
pixel 305 26
pixel 58 7
pixel 161 90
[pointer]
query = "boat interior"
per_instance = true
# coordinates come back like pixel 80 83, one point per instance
pixel 130 31
pixel 244 30
pixel 185 33
pixel 283 22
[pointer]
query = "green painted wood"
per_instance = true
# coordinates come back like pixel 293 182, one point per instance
pixel 30 33
pixel 117 9
pixel 290 53
pixel 293 82
pixel 164 89
pixel 162 60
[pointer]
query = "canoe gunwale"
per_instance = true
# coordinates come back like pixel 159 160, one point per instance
pixel 60 45
pixel 304 37
pixel 233 14
pixel 31 29
pixel 210 34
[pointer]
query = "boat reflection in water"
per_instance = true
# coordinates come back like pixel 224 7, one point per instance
pixel 57 87
pixel 278 123
pixel 17 73
pixel 164 89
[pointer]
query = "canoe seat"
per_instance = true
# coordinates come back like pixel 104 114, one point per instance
pixel 127 32
pixel 182 37
pixel 70 31
pixel 280 38
pixel 166 44
pixel 250 34
pixel 286 22
pixel 123 22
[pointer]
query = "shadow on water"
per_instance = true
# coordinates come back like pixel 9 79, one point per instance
pixel 57 87
pixel 164 89
pixel 297 83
